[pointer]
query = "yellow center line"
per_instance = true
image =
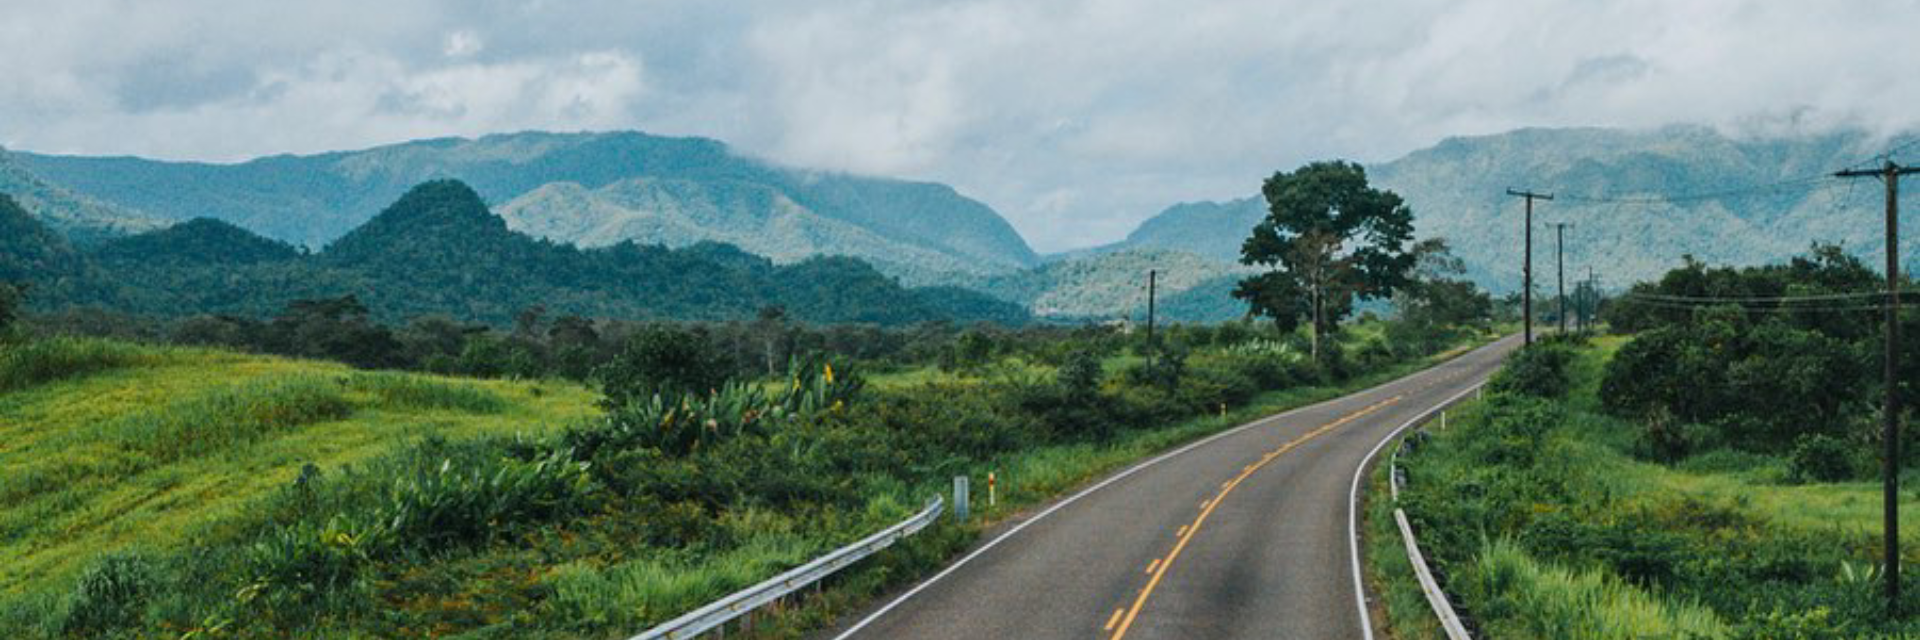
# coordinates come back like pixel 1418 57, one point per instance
pixel 1187 531
pixel 1114 619
pixel 1151 565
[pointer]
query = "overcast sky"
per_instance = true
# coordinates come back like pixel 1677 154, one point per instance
pixel 1074 119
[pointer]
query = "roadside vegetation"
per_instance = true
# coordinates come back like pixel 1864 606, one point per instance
pixel 1710 475
pixel 174 491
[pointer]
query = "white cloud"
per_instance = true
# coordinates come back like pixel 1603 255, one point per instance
pixel 1075 119
pixel 461 44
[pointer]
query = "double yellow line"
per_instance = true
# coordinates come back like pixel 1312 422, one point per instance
pixel 1124 617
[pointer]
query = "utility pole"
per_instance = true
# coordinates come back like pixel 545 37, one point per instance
pixel 1560 268
pixel 1591 305
pixel 1526 265
pixel 1890 418
pixel 1150 291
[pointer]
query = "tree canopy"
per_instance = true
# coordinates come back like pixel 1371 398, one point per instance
pixel 1328 237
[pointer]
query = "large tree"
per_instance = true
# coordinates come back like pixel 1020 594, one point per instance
pixel 1327 238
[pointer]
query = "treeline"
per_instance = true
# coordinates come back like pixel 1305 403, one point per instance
pixel 1777 359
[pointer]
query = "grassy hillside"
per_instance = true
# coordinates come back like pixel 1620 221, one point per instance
pixel 109 446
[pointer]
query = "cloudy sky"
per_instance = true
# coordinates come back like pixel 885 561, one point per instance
pixel 1075 119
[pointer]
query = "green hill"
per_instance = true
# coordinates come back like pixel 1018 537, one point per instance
pixel 112 446
pixel 1114 285
pixel 590 189
pixel 438 250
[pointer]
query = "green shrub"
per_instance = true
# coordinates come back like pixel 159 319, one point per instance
pixel 110 596
pixel 1539 370
pixel 1822 458
pixel 660 361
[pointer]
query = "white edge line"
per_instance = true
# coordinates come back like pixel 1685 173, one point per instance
pixel 1353 504
pixel 845 635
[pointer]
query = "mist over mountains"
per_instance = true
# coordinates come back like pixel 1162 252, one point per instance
pixel 1638 201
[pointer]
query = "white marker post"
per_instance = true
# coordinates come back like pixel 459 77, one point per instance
pixel 960 499
pixel 992 495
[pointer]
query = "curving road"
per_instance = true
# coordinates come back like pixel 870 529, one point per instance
pixel 1246 534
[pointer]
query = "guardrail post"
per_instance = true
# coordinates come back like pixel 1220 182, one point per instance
pixel 960 499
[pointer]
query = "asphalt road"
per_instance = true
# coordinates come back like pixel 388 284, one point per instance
pixel 1244 535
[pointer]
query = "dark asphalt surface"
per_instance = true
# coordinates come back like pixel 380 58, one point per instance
pixel 1272 559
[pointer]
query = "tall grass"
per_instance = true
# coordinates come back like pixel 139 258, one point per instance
pixel 401 391
pixel 1519 597
pixel 229 418
pixel 42 361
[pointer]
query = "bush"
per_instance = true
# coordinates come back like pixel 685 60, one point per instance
pixel 109 597
pixel 11 297
pixel 1539 370
pixel 660 361
pixel 1821 458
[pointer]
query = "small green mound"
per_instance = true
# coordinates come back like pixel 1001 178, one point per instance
pixel 401 391
pixel 43 361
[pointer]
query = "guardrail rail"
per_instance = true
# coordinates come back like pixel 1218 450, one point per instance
pixel 1436 597
pixel 740 603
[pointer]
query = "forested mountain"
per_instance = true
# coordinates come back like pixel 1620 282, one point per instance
pixel 438 250
pixel 589 189
pixel 1613 186
pixel 1110 285
pixel 201 242
pixel 78 217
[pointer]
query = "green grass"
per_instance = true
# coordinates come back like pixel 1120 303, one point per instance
pixel 1525 598
pixel 182 455
pixel 110 446
pixel 1538 531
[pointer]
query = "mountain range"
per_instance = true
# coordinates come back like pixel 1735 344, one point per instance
pixel 438 250
pixel 590 189
pixel 1637 201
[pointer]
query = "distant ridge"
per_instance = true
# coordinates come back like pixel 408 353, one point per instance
pixel 78 217
pixel 438 250
pixel 591 189
pixel 1457 191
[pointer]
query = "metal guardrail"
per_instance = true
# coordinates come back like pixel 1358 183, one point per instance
pixel 1436 598
pixel 724 610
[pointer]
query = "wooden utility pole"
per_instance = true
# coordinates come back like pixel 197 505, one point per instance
pixel 1890 417
pixel 1150 291
pixel 1560 268
pixel 1590 303
pixel 1526 265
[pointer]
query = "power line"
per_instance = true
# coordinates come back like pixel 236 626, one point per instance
pixel 1662 304
pixel 1760 299
pixel 1783 187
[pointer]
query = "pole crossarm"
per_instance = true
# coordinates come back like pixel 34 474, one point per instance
pixel 1526 263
